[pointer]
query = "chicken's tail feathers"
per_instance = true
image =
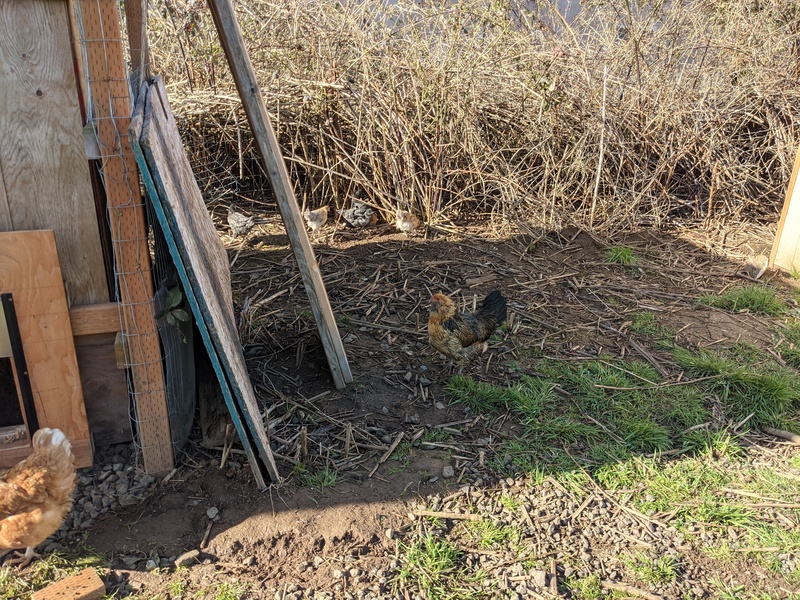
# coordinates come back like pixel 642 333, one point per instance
pixel 53 442
pixel 494 306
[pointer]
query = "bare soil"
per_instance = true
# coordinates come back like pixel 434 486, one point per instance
pixel 565 301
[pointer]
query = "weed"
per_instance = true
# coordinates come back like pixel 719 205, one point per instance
pixel 758 299
pixel 658 570
pixel 230 590
pixel 510 502
pixel 434 435
pixel 343 320
pixel 434 565
pixel 177 587
pixel 586 588
pixel 621 255
pixel 492 536
pixel 318 481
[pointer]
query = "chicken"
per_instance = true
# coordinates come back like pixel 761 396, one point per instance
pixel 359 215
pixel 316 219
pixel 405 221
pixel 462 336
pixel 36 494
pixel 239 223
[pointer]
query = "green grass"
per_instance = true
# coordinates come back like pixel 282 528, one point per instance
pixel 646 323
pixel 767 392
pixel 585 588
pixel 492 536
pixel 434 565
pixel 758 299
pixel 654 570
pixel 621 255
pixel 230 590
pixel 19 585
pixel 319 480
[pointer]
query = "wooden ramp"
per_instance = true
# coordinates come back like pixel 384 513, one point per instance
pixel 202 264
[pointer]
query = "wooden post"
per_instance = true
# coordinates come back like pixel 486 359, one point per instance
pixel 136 24
pixel 786 248
pixel 243 73
pixel 111 112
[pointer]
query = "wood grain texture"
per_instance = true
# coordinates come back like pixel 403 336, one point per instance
pixel 243 73
pixel 111 110
pixel 45 174
pixel 786 248
pixel 202 263
pixel 105 389
pixel 95 318
pixel 29 269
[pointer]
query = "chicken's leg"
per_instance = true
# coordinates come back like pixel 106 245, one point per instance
pixel 24 559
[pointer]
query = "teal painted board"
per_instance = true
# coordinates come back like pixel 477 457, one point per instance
pixel 201 262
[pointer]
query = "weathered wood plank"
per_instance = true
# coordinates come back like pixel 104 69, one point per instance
pixel 786 248
pixel 29 269
pixel 95 318
pixel 201 261
pixel 46 182
pixel 111 111
pixel 105 389
pixel 250 93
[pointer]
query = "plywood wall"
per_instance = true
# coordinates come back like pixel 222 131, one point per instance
pixel 44 173
pixel 786 249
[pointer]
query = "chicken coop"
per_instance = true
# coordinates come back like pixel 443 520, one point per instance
pixel 80 346
pixel 105 238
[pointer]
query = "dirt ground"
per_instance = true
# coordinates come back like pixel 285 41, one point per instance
pixel 565 301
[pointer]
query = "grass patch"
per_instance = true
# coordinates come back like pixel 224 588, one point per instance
pixel 318 481
pixel 621 255
pixel 768 395
pixel 585 588
pixel 20 585
pixel 435 566
pixel 491 536
pixel 230 590
pixel 654 570
pixel 757 299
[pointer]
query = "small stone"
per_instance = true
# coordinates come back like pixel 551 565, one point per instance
pixel 412 419
pixel 389 534
pixel 448 471
pixel 355 572
pixel 212 512
pixel 408 376
pixel 338 574
pixel 349 338
pixel 250 561
pixel 187 558
pixel 539 578
pixel 385 410
pixel 439 405
pixel 425 382
pixel 318 560
pixel 127 500
pixel 151 565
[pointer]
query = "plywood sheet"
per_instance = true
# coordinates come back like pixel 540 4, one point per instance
pixel 29 270
pixel 786 249
pixel 44 171
pixel 201 260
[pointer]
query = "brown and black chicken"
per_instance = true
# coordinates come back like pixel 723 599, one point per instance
pixel 461 336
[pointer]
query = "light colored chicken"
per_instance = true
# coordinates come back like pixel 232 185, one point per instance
pixel 36 495
pixel 316 219
pixel 405 221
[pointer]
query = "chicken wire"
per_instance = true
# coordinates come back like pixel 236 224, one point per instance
pixel 177 354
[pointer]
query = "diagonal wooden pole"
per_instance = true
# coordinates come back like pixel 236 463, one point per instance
pixel 243 73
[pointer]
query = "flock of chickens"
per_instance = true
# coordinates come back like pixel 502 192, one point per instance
pixel 36 494
pixel 358 216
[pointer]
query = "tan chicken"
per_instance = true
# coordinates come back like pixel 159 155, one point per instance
pixel 316 219
pixel 405 221
pixel 36 495
pixel 463 336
